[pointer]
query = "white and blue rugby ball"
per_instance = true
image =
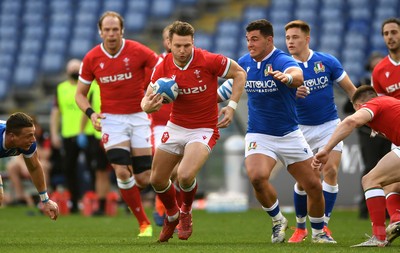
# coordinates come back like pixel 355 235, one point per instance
pixel 167 88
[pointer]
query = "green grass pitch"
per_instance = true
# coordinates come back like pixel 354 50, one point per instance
pixel 212 232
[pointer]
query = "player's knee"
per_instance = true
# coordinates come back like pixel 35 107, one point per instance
pixel 143 179
pixel 119 156
pixel 141 163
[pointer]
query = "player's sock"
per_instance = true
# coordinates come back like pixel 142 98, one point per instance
pixel 168 198
pixel 393 206
pixel 375 198
pixel 330 194
pixel 178 195
pixel 131 195
pixel 300 206
pixel 274 211
pixel 317 225
pixel 188 195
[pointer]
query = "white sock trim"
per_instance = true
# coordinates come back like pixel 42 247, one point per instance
pixel 330 188
pixel 190 188
pixel 297 191
pixel 126 184
pixel 166 189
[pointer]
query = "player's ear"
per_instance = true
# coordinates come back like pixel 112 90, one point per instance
pixel 122 33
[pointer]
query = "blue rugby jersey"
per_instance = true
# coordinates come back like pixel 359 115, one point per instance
pixel 319 71
pixel 271 104
pixel 13 151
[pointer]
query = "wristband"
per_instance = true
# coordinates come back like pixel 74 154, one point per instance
pixel 232 104
pixel 43 197
pixel 290 79
pixel 89 111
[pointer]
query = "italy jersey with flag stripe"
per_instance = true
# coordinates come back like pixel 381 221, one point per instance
pixel 319 71
pixel 271 104
pixel 13 151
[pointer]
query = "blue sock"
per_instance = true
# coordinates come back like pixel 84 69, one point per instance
pixel 330 194
pixel 300 206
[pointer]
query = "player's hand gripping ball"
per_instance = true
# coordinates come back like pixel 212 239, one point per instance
pixel 167 88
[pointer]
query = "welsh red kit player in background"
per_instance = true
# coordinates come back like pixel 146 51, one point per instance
pixel 382 114
pixel 386 82
pixel 192 130
pixel 119 66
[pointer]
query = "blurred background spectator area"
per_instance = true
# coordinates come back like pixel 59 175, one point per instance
pixel 37 37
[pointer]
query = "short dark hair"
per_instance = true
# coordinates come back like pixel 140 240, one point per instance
pixel 111 14
pixel 181 28
pixel 390 20
pixel 263 25
pixel 17 121
pixel 364 93
pixel 302 25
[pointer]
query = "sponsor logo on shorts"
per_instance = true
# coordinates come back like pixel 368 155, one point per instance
pixel 104 138
pixel 305 150
pixel 164 137
pixel 252 145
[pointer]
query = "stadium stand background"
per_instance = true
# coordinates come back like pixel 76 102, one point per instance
pixel 37 37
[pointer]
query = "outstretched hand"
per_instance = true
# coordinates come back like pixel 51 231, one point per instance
pixel 320 158
pixel 228 113
pixel 302 91
pixel 50 208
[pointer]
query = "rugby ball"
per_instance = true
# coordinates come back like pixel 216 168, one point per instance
pixel 167 88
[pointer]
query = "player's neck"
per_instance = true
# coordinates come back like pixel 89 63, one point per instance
pixel 395 55
pixel 303 55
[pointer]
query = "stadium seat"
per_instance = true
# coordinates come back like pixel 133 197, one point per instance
pixel 56 45
pixel 355 40
pixel 79 47
pixel 135 21
pixel 28 59
pixel 8 45
pixel 382 13
pixel 187 2
pixel 60 6
pixel 333 4
pixel 24 76
pixel 353 54
pixel 203 40
pixel 138 6
pixel 332 27
pixel 251 13
pixel 32 19
pixel 114 5
pixel 37 6
pixel 85 32
pixel 162 8
pixel 59 32
pixel 331 15
pixel 282 5
pixel 11 6
pixel 6 60
pixel 61 19
pixel 388 3
pixel 280 16
pixel 8 32
pixel 52 63
pixel 31 46
pixel 9 19
pixel 89 6
pixel 360 13
pixel 5 73
pixel 332 41
pixel 307 15
pixel 4 87
pixel 228 27
pixel 86 19
pixel 307 4
pixel 33 32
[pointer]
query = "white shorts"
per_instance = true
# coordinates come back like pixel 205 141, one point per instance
pixel 157 132
pixel 118 128
pixel 290 148
pixel 175 138
pixel 318 136
pixel 397 151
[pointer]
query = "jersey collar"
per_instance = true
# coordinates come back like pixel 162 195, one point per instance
pixel 393 61
pixel 187 64
pixel 117 54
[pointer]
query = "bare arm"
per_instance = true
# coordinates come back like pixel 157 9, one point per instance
pixel 239 77
pixel 295 73
pixel 151 102
pixel 35 169
pixel 83 103
pixel 342 131
pixel 55 127
pixel 348 86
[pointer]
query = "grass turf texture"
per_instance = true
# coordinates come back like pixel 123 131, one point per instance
pixel 212 232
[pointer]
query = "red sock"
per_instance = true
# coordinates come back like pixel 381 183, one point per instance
pixel 377 213
pixel 168 198
pixel 178 196
pixel 134 201
pixel 188 198
pixel 393 206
